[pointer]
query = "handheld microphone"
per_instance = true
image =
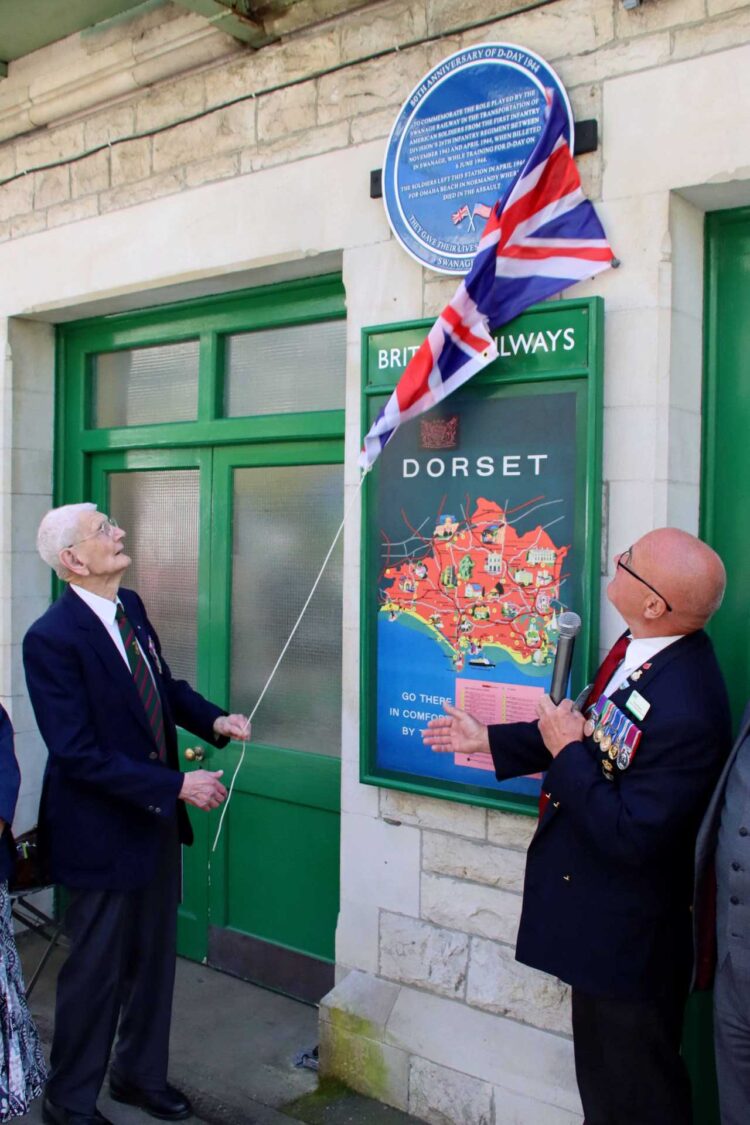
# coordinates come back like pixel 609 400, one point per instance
pixel 569 626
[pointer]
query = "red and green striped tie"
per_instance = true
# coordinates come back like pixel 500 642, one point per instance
pixel 143 681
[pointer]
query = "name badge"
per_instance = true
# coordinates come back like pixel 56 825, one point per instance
pixel 637 705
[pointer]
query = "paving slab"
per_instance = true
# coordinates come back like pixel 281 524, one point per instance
pixel 232 1050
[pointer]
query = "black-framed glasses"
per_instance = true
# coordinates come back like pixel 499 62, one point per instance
pixel 626 555
pixel 107 527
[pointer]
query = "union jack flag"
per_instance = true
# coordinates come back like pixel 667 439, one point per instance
pixel 540 238
pixel 460 215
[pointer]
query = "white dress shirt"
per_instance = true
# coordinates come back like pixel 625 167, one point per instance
pixel 639 651
pixel 105 610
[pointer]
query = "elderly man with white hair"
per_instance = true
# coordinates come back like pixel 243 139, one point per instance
pixel 112 818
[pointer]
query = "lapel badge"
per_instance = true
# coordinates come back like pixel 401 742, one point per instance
pixel 154 654
pixel 637 674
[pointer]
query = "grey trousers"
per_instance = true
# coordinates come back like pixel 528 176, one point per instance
pixel 732 1042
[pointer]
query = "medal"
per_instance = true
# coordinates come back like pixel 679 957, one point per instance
pixel 589 727
pixel 606 742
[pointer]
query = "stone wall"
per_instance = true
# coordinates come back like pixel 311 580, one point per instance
pixel 158 157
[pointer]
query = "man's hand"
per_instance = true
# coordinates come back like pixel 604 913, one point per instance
pixel 456 733
pixel 559 725
pixel 232 726
pixel 203 789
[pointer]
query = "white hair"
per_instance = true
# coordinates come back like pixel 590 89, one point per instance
pixel 58 530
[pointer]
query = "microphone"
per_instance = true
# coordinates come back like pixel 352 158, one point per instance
pixel 569 626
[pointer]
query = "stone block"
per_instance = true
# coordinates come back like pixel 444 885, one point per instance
pixel 714 35
pixel 389 25
pixel 224 130
pixel 170 102
pixel 372 126
pixel 286 150
pixel 357 935
pixel 17 197
pixel 370 1067
pixel 636 228
pixel 49 145
pixel 535 1064
pixel 446 1097
pixel 416 953
pixel 555 31
pixel 517 1109
pixel 380 863
pixel 666 14
pixel 684 446
pixel 285 111
pixel 32 473
pixel 719 7
pixel 630 359
pixel 682 506
pixel 130 194
pixel 471 908
pixel 131 161
pixel 32 345
pixel 480 863
pixel 208 171
pixel 369 87
pixel 104 128
pixel 7 161
pixel 90 175
pixel 437 293
pixel 73 212
pixel 429 812
pixel 444 17
pixel 32 223
pixel 509 830
pixel 32 425
pixel 686 361
pixel 360 1004
pixel 622 57
pixel 500 984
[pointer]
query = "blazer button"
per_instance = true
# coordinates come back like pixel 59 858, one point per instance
pixel 157 809
pixel 734 900
pixel 153 755
pixel 150 808
pixel 743 831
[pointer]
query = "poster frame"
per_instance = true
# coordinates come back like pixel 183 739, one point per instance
pixel 587 381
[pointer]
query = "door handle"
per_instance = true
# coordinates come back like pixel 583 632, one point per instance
pixel 195 753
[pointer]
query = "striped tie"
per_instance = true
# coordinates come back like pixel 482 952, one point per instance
pixel 143 681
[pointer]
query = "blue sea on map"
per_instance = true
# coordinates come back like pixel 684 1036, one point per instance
pixel 408 650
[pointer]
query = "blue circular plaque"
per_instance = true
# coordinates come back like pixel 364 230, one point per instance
pixel 460 138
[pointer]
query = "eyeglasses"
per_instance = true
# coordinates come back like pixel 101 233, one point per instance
pixel 626 555
pixel 107 528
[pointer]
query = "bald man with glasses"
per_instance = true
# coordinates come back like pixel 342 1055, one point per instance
pixel 112 817
pixel 609 872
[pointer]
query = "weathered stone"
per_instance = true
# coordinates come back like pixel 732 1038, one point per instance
pixel 285 111
pixel 72 212
pixel 471 908
pixel 90 174
pixel 446 1097
pixel 104 128
pixel 463 859
pixel 509 830
pixel 51 186
pixel 500 984
pixel 371 126
pixel 719 7
pixel 366 88
pixel 368 1066
pixel 173 101
pixel 17 197
pixel 288 149
pixel 512 1108
pixel 555 31
pixel 131 161
pixel 630 22
pixel 224 130
pixel 7 161
pixel 130 194
pixel 715 35
pixel 623 57
pixel 418 954
pixel 427 812
pixel 389 25
pixel 47 146
pixel 28 224
pixel 210 170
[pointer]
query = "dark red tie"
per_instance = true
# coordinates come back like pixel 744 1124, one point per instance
pixel 606 671
pixel 143 681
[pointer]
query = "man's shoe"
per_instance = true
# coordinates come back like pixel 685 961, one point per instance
pixel 168 1104
pixel 57 1115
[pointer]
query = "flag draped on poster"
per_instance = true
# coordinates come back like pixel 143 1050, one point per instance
pixel 540 238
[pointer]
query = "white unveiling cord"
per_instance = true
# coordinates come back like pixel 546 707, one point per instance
pixel 354 497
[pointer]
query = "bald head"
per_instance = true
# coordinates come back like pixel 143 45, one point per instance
pixel 687 573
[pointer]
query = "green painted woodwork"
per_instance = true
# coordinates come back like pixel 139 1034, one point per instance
pixel 274 874
pixel 577 368
pixel 28 25
pixel 725 472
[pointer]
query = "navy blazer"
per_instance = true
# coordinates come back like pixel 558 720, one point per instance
pixel 609 873
pixel 106 796
pixel 10 783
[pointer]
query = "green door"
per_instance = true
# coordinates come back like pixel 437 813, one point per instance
pixel 724 523
pixel 230 503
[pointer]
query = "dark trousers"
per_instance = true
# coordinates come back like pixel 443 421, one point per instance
pixel 120 966
pixel 628 1062
pixel 732 1040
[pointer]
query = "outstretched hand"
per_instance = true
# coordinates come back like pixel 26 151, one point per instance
pixel 232 726
pixel 456 733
